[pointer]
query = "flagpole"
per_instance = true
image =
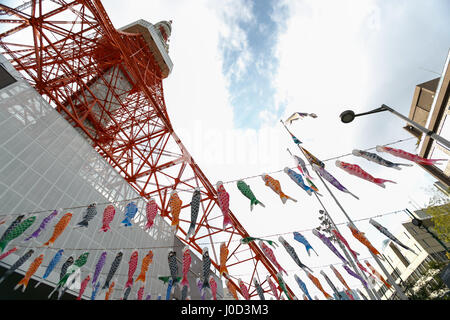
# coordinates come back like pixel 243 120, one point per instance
pixel 399 291
pixel 371 294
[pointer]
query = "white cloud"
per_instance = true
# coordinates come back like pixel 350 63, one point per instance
pixel 232 37
pixel 324 67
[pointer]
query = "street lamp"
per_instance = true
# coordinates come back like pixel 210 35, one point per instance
pixel 348 116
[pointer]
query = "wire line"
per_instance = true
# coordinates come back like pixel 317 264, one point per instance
pixel 206 243
pixel 192 189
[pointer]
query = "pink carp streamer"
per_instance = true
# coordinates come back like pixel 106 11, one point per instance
pixel 223 199
pixel 356 170
pixel 408 156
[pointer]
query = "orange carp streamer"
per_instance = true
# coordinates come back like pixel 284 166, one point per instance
pixel 318 285
pixel 59 228
pixel 276 187
pixel 223 259
pixel 175 208
pixel 31 270
pixel 146 261
pixel 361 238
pixel 232 289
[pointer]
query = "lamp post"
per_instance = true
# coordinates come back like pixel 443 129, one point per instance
pixel 348 116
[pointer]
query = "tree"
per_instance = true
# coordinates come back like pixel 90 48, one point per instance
pixel 439 209
pixel 441 220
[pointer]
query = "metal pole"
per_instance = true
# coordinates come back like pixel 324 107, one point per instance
pixel 397 288
pixel 372 295
pixel 395 271
pixel 428 132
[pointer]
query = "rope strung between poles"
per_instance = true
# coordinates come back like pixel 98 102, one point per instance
pixel 192 189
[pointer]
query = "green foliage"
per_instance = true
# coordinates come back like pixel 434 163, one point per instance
pixel 441 219
pixel 430 286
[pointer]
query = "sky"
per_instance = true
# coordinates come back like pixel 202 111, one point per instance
pixel 241 66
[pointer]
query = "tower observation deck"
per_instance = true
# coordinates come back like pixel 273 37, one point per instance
pixel 107 83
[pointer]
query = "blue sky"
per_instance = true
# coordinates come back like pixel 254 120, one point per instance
pixel 251 87
pixel 241 66
pixel 395 38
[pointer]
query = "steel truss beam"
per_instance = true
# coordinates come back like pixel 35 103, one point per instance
pixel 107 84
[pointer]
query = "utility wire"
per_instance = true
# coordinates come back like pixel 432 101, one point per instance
pixel 191 189
pixel 200 244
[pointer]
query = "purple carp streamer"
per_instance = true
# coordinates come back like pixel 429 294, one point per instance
pixel 332 180
pixel 98 268
pixel 353 274
pixel 42 226
pixel 328 243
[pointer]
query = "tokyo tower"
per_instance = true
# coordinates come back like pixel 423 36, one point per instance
pixel 107 83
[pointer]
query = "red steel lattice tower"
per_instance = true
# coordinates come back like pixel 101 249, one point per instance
pixel 107 83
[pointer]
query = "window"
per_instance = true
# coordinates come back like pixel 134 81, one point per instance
pixel 425 100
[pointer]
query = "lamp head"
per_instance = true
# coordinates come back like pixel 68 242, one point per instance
pixel 417 222
pixel 347 116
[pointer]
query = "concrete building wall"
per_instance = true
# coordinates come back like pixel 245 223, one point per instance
pixel 195 272
pixel 430 107
pixel 404 264
pixel 45 164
